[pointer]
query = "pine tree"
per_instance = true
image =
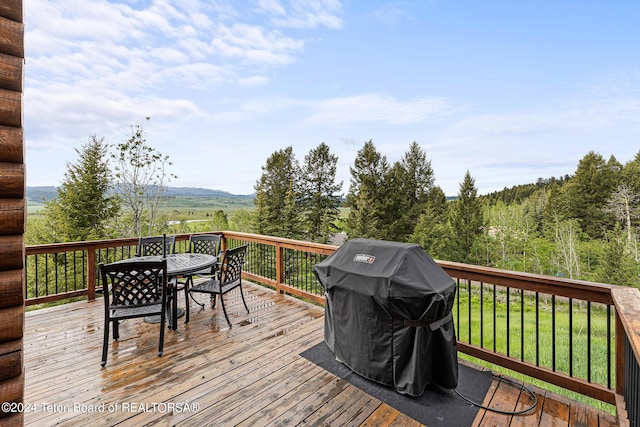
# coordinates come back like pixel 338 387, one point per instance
pixel 431 231
pixel 616 265
pixel 589 190
pixel 408 186
pixel 467 222
pixel 84 205
pixel 366 193
pixel 320 197
pixel 278 196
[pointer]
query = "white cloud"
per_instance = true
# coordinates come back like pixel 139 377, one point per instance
pixel 93 64
pixel 253 81
pixel 341 111
pixel 273 7
pixel 303 13
pixel 377 108
pixel 254 44
pixel 169 55
pixel 578 115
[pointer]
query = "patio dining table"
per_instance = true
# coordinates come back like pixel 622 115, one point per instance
pixel 177 265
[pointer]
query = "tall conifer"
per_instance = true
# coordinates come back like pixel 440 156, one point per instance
pixel 467 222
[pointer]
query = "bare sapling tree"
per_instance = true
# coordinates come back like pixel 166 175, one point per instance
pixel 567 247
pixel 623 204
pixel 142 176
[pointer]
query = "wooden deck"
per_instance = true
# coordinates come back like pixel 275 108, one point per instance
pixel 210 374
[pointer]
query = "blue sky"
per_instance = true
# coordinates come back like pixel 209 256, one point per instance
pixel 510 90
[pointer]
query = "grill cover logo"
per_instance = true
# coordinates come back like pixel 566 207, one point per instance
pixel 368 259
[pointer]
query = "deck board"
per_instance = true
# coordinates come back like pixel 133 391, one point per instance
pixel 249 374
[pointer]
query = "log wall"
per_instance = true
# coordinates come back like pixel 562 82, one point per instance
pixel 12 210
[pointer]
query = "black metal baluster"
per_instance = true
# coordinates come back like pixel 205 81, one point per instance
pixel 75 271
pixel 36 277
pixel 26 279
pixel 494 319
pixel 55 263
pixel 570 337
pixel 469 307
pixel 608 346
pixel 553 332
pixel 589 341
pixel 508 322
pixel 537 328
pixel 481 315
pixel 46 274
pixel 273 260
pixel 522 324
pixel 458 305
pixel 261 261
pixel 84 269
pixel 66 274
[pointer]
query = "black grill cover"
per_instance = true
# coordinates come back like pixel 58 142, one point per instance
pixel 388 314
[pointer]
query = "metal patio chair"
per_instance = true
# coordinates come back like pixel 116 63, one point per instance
pixel 227 277
pixel 156 245
pixel 203 244
pixel 133 289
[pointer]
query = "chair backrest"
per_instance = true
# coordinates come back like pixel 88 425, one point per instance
pixel 205 244
pixel 153 245
pixel 134 284
pixel 230 269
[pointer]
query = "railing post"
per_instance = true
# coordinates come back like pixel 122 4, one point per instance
pixel 223 243
pixel 279 267
pixel 91 273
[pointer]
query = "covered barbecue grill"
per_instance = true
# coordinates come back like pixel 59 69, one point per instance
pixel 388 314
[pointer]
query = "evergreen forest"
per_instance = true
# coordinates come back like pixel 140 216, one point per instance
pixel 581 226
pixel 584 225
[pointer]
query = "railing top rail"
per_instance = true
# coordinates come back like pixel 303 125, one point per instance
pixel 77 246
pixel 570 288
pixel 288 243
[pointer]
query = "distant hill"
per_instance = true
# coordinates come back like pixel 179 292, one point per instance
pixel 45 193
pixel 204 192
pixel 41 194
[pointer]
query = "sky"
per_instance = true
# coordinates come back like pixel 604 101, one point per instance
pixel 510 91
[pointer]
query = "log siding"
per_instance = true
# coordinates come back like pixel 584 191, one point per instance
pixel 12 209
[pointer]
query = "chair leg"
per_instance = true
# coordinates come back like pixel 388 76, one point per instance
pixel 224 310
pixel 173 322
pixel 169 315
pixel 161 343
pixel 186 286
pixel 195 300
pixel 116 330
pixel 105 342
pixel 186 301
pixel 243 301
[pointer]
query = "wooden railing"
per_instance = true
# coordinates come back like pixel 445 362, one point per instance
pixel 529 330
pixel 581 336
